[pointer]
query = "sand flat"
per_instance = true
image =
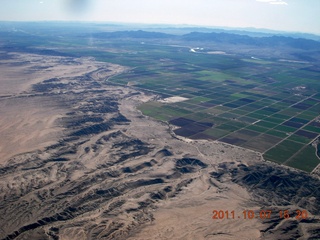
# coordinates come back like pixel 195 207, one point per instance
pixel 29 123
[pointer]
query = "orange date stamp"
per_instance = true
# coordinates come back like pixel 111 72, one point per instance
pixel 261 214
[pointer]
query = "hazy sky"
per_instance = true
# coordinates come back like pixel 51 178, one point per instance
pixel 288 15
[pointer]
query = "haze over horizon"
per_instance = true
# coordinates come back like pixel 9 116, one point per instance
pixel 280 15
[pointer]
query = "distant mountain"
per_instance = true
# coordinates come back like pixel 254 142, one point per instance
pixel 254 32
pixel 273 41
pixel 184 29
pixel 133 34
pixel 301 43
pixel 220 37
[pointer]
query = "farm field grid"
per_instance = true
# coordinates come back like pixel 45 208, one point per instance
pixel 269 106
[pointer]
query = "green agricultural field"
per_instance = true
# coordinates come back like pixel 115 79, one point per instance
pixel 255 104
pixel 283 151
pixel 305 160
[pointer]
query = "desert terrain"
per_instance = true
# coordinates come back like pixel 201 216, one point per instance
pixel 79 161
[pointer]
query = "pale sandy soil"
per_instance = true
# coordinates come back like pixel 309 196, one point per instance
pixel 173 99
pixel 218 52
pixel 189 215
pixel 28 124
pixel 23 70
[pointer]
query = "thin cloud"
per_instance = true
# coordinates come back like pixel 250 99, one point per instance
pixel 275 2
pixel 279 3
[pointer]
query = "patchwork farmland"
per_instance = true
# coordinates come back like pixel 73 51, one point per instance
pixel 268 106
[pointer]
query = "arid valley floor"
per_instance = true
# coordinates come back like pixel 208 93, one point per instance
pixel 79 161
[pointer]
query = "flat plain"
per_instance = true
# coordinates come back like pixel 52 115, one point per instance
pixel 270 107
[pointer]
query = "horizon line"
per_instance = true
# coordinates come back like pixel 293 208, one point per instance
pixel 166 24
